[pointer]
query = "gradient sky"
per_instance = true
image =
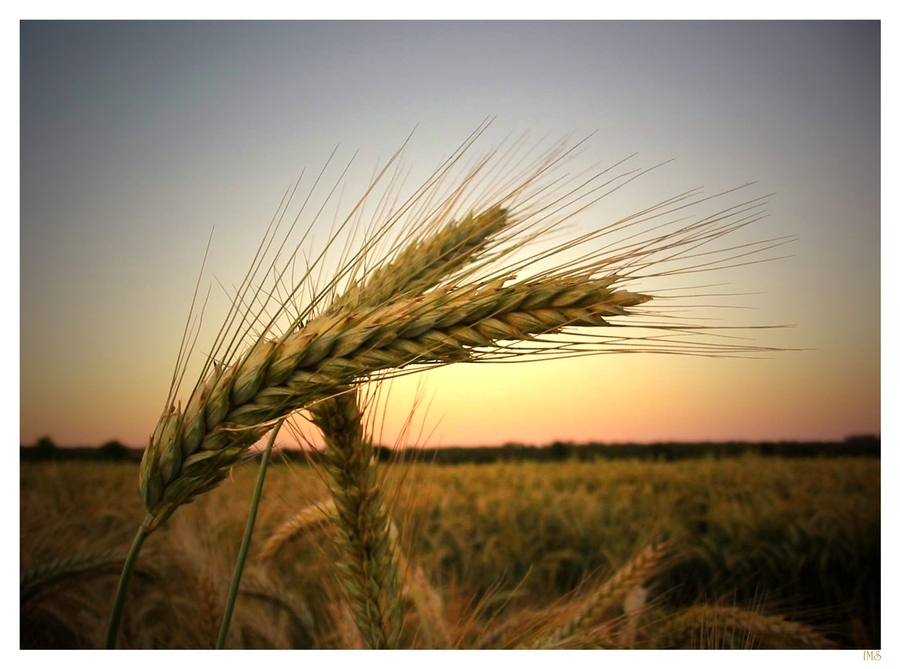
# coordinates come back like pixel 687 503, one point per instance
pixel 138 138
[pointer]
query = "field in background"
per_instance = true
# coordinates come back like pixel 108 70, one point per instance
pixel 500 544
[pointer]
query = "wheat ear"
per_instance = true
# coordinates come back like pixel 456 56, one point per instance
pixel 611 593
pixel 306 520
pixel 389 319
pixel 368 567
pixel 419 266
pixel 191 452
pixel 770 631
pixel 415 588
pixel 36 579
pixel 425 262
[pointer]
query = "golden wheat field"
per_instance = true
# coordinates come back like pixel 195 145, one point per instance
pixel 746 552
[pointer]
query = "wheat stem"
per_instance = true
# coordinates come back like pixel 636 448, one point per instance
pixel 118 609
pixel 245 542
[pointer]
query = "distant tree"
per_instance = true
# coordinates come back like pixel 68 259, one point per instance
pixel 560 450
pixel 860 439
pixel 113 450
pixel 382 453
pixel 45 448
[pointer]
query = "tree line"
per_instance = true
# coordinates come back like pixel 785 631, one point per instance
pixel 854 446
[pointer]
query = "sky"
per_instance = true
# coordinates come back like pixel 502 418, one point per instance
pixel 138 141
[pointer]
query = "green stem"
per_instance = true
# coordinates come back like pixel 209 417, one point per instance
pixel 245 543
pixel 115 619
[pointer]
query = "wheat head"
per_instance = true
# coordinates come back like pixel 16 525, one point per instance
pixel 770 631
pixel 191 451
pixel 305 520
pixel 612 592
pixel 368 566
pixel 451 293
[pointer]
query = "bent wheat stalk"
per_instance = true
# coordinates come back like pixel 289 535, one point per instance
pixel 34 580
pixel 305 520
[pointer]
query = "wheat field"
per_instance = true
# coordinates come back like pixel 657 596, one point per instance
pixel 496 556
